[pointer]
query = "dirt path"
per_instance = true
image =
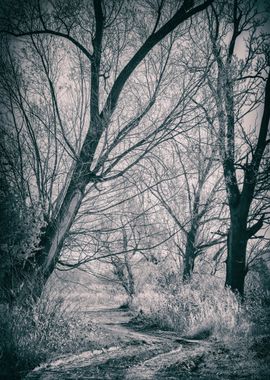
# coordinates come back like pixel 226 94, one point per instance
pixel 143 355
pixel 136 354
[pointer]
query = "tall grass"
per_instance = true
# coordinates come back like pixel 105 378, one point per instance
pixel 202 304
pixel 32 333
pixel 57 324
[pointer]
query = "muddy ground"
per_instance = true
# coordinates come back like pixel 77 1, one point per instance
pixel 138 353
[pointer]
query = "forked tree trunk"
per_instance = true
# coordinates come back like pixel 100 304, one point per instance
pixel 240 201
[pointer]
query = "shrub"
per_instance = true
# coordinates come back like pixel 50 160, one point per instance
pixel 30 334
pixel 257 303
pixel 202 304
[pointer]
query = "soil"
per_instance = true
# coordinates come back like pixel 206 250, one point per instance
pixel 139 353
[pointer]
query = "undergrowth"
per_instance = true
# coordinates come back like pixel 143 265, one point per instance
pixel 200 306
pixel 33 333
pixel 57 324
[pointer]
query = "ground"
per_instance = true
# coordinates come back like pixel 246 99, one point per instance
pixel 133 352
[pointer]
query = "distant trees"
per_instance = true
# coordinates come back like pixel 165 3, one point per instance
pixel 190 193
pixel 124 262
pixel 127 242
pixel 71 96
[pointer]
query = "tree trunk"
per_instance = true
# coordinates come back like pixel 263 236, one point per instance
pixel 56 233
pixel 189 256
pixel 236 259
pixel 26 279
pixel 130 281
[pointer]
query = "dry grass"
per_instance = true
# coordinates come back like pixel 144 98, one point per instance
pixel 201 305
pixel 57 324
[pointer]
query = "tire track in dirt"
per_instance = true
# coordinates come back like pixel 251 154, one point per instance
pixel 149 369
pixel 141 355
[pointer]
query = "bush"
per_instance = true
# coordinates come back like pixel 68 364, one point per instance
pixel 191 308
pixel 257 303
pixel 31 334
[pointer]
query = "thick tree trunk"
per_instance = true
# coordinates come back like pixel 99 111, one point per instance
pixel 56 234
pixel 240 203
pixel 236 259
pixel 25 280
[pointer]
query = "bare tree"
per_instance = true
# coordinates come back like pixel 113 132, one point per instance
pixel 103 44
pixel 189 194
pixel 239 82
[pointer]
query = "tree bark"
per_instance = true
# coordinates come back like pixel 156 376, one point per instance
pixel 189 256
pixel 236 258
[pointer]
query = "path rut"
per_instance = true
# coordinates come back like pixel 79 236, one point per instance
pixel 140 355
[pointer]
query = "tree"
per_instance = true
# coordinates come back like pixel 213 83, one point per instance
pixel 189 194
pixel 240 84
pixel 95 44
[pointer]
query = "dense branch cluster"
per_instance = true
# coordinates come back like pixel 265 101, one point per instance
pixel 133 132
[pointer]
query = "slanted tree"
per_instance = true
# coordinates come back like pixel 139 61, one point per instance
pixel 100 45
